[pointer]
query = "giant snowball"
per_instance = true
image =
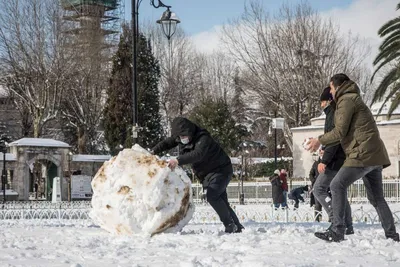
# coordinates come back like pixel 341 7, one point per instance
pixel 136 192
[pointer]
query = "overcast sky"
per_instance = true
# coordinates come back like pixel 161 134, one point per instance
pixel 202 19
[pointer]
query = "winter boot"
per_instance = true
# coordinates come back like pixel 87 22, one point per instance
pixel 349 230
pixel 231 228
pixel 329 228
pixel 395 237
pixel 239 228
pixel 330 236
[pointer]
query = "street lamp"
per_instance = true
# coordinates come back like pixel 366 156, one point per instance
pixel 168 22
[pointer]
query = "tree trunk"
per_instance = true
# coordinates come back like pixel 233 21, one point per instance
pixel 81 140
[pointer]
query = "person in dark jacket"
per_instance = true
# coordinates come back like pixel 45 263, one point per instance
pixel 332 160
pixel 296 195
pixel 209 162
pixel 366 156
pixel 277 191
pixel 313 176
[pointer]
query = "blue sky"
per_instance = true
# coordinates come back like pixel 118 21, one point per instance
pixel 201 15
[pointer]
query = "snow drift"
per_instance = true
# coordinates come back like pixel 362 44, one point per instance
pixel 136 192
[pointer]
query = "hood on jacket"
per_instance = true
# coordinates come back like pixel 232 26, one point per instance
pixel 348 87
pixel 183 127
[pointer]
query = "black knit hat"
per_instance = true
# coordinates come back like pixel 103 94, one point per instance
pixel 326 94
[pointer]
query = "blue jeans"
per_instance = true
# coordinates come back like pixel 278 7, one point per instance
pixel 284 203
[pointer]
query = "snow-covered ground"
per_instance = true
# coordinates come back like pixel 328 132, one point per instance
pixel 80 243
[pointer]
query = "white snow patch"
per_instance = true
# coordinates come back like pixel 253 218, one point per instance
pixel 261 244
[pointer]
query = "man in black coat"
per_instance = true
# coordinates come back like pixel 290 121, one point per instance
pixel 331 162
pixel 209 162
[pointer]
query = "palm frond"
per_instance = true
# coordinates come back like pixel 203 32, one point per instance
pixel 393 91
pixel 387 60
pixel 393 48
pixel 398 6
pixel 389 26
pixel 393 37
pixel 391 77
pixel 395 103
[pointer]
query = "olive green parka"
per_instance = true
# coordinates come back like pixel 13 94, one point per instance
pixel 356 130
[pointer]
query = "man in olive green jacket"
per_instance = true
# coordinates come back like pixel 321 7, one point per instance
pixel 366 155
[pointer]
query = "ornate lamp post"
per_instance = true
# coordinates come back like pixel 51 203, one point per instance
pixel 168 22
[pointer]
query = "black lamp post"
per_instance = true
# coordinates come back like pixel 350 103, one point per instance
pixel 277 123
pixel 275 146
pixel 3 148
pixel 241 189
pixel 70 157
pixel 168 22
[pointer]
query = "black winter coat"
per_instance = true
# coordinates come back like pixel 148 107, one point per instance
pixel 204 154
pixel 313 176
pixel 314 172
pixel 277 191
pixel 334 156
pixel 296 193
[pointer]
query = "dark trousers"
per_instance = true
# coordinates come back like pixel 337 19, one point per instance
pixel 216 184
pixel 297 199
pixel 317 211
pixel 372 177
pixel 321 188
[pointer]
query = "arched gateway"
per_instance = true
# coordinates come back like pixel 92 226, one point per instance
pixel 32 163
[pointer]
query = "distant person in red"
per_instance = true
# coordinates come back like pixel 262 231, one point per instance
pixel 285 188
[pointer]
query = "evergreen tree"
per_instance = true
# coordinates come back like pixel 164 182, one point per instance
pixel 216 117
pixel 148 96
pixel 119 109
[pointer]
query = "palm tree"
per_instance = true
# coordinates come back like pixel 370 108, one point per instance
pixel 389 55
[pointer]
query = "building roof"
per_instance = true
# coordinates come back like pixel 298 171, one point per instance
pixel 397 121
pixel 90 158
pixel 9 157
pixel 375 108
pixel 39 142
pixel 310 127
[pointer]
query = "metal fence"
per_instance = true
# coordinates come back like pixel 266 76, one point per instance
pixel 255 193
pixel 261 192
pixel 46 212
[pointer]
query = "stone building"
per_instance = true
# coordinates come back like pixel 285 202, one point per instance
pixel 32 163
pixel 389 130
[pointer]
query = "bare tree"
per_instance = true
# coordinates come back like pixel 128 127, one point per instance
pixel 180 67
pixel 287 60
pixel 217 75
pixel 31 57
